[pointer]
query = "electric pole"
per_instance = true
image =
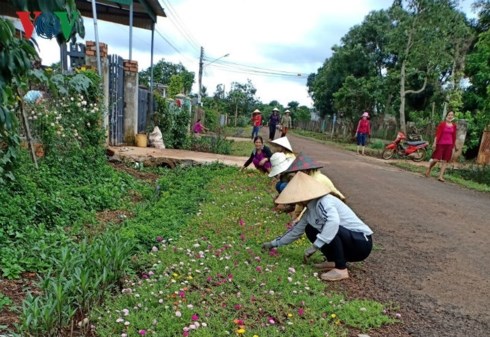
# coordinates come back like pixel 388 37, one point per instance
pixel 200 77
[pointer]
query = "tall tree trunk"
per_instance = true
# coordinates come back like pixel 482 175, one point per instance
pixel 403 126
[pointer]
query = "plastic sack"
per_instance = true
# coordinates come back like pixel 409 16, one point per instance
pixel 156 139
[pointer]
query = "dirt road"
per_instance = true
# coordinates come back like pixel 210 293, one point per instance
pixel 432 243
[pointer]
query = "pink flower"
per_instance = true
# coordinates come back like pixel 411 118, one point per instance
pixel 301 311
pixel 185 333
pixel 241 222
pixel 181 294
pixel 273 252
pixel 259 269
pixel 159 239
pixel 238 306
pixel 142 332
pixel 271 320
pixel 195 317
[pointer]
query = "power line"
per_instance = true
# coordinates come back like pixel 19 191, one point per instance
pixel 179 24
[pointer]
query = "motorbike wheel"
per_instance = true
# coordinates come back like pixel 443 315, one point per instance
pixel 418 155
pixel 387 154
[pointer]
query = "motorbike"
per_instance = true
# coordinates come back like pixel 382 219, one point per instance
pixel 402 148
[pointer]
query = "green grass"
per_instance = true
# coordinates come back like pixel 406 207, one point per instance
pixel 452 175
pixel 239 148
pixel 211 278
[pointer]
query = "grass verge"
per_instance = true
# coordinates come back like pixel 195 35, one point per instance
pixel 209 277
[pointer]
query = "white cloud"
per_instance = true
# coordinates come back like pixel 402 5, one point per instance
pixel 276 35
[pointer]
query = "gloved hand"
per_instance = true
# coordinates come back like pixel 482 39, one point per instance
pixel 267 246
pixel 309 252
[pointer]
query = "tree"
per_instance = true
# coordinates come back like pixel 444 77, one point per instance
pixel 421 43
pixel 16 59
pixel 362 54
pixel 477 95
pixel 163 72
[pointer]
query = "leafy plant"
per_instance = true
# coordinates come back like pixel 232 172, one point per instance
pixel 4 301
pixel 16 57
pixel 208 276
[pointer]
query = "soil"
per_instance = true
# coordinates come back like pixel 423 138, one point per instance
pixel 431 260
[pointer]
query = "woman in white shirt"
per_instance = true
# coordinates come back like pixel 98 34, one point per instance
pixel 331 226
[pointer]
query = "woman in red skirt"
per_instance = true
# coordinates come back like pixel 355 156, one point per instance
pixel 443 146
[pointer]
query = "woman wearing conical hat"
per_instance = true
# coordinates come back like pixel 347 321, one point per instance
pixel 329 224
pixel 256 122
pixel 311 167
pixel 283 145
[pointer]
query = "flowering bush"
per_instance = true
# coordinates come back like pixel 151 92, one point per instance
pixel 71 117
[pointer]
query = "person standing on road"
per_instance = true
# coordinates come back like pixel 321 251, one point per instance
pixel 260 156
pixel 256 123
pixel 329 224
pixel 274 121
pixel 286 123
pixel 444 143
pixel 362 132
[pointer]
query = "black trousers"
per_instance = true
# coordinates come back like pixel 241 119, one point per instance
pixel 346 246
pixel 272 131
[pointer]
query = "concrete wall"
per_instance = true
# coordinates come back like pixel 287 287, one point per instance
pixel 131 84
pixel 91 61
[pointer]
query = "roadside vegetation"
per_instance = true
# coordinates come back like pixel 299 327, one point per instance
pixel 180 255
pixel 465 173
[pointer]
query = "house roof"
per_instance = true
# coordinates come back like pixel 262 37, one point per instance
pixel 145 12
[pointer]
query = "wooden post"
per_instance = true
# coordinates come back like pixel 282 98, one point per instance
pixel 484 151
pixel 28 134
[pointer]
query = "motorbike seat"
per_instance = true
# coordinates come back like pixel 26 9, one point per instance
pixel 416 142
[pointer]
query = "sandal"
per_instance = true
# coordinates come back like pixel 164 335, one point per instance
pixel 441 180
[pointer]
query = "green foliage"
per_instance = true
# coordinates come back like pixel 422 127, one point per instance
pixel 4 301
pixel 177 197
pixel 16 58
pixel 64 193
pixel 80 278
pixel 364 314
pixel 479 174
pixel 163 72
pixel 209 143
pixel 176 85
pixel 173 121
pixel 211 273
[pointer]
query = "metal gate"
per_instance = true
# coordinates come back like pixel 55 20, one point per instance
pixel 143 108
pixel 116 100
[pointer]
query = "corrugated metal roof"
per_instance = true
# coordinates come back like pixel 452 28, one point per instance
pixel 145 12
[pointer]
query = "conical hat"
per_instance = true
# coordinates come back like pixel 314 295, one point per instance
pixel 279 163
pixel 284 142
pixel 256 111
pixel 302 188
pixel 303 162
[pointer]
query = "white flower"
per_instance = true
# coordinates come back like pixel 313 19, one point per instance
pixel 126 323
pixel 178 314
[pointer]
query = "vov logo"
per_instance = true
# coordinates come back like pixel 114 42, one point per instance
pixel 47 25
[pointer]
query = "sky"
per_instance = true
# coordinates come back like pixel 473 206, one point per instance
pixel 274 43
